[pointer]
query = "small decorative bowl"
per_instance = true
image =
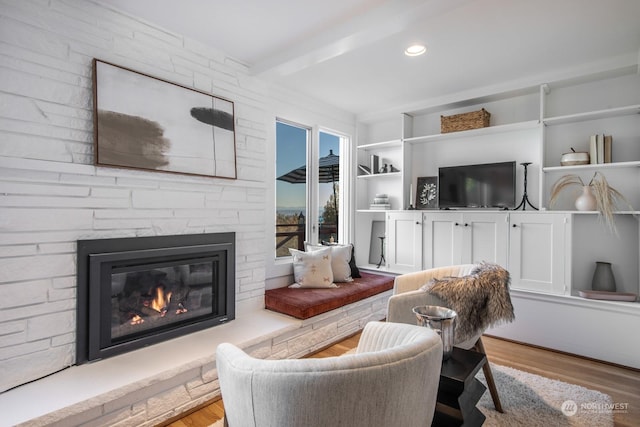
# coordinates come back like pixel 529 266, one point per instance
pixel 574 158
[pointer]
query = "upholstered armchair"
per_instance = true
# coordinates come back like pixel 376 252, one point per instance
pixel 486 294
pixel 391 379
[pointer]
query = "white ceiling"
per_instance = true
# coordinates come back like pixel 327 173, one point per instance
pixel 349 53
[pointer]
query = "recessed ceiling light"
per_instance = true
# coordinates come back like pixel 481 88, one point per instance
pixel 415 50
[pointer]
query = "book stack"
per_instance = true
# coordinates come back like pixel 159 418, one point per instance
pixel 380 202
pixel 379 206
pixel 600 148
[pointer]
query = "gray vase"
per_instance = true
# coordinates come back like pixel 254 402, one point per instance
pixel 603 279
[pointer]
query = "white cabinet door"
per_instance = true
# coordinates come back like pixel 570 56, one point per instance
pixel 404 242
pixel 485 237
pixel 441 239
pixel 539 248
pixel 451 238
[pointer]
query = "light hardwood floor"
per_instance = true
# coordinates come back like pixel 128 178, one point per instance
pixel 623 385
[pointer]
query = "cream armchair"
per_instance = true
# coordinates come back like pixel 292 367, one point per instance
pixel 391 379
pixel 407 295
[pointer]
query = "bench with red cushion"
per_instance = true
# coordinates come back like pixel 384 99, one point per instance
pixel 303 303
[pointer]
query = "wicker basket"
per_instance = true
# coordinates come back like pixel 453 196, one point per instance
pixel 465 121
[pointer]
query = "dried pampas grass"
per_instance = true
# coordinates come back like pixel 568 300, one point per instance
pixel 607 197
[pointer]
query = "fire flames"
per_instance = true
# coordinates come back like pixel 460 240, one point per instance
pixel 161 300
pixel 157 304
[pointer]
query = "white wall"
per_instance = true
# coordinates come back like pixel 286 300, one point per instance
pixel 51 194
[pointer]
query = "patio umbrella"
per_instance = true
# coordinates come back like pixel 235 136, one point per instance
pixel 329 171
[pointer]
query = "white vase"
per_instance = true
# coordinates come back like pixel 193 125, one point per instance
pixel 586 201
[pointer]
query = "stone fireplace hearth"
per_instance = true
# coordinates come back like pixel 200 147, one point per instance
pixel 147 386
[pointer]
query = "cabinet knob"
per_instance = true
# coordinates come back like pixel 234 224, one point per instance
pixel 515 225
pixel 456 224
pixel 466 225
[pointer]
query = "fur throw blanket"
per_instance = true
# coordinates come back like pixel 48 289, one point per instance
pixel 480 299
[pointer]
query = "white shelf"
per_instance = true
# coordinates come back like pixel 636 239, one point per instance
pixel 374 210
pixel 596 166
pixel 374 269
pixel 491 130
pixel 592 115
pixel 395 143
pixel 630 307
pixel 380 175
pixel 576 212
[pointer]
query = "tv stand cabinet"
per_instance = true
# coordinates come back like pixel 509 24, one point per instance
pixel 463 237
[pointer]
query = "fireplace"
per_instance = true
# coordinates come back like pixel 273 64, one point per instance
pixel 134 292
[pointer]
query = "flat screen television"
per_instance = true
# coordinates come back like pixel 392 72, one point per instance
pixel 482 186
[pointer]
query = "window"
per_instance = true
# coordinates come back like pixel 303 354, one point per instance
pixel 308 199
pixel 291 188
pixel 329 187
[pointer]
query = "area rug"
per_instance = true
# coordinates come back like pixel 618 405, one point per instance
pixel 532 400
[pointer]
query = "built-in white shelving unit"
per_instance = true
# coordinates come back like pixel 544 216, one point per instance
pixel 534 124
pixel 553 250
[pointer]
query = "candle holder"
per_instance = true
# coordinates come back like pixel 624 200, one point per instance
pixel 525 198
pixel 381 251
pixel 410 208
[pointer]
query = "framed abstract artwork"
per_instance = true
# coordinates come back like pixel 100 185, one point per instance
pixel 143 122
pixel 427 192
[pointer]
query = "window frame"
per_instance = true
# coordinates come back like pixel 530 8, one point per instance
pixel 312 185
pixel 278 271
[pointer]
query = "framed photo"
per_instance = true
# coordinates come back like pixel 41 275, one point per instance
pixel 427 192
pixel 142 122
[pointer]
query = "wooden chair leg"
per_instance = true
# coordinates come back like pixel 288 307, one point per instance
pixel 486 368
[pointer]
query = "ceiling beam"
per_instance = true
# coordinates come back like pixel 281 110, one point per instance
pixel 382 22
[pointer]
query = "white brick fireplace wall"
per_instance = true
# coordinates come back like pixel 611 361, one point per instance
pixel 51 194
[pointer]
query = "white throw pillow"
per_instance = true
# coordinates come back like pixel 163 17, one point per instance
pixel 340 257
pixel 312 269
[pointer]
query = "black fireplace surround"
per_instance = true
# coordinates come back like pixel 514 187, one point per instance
pixel 138 291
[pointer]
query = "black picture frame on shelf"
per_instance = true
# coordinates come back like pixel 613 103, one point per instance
pixel 427 192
